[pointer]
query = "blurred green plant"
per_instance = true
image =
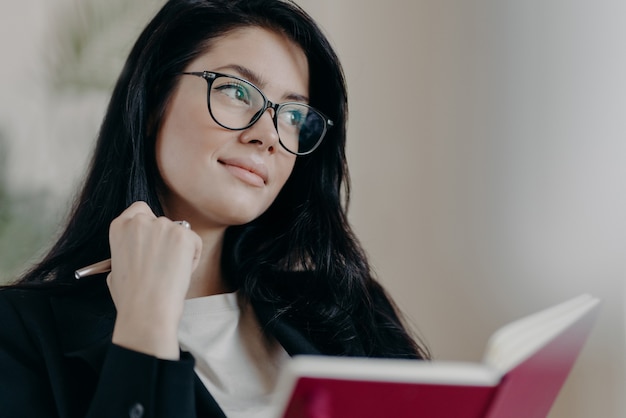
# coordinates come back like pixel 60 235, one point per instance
pixel 25 224
pixel 90 41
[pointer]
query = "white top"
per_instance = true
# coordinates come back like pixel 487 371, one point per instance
pixel 237 363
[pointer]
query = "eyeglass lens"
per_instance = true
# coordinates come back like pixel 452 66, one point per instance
pixel 237 104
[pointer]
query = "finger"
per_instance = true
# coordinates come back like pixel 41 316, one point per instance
pixel 138 208
pixel 186 229
pixel 108 280
pixel 184 224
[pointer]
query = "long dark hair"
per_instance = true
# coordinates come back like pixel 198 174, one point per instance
pixel 301 255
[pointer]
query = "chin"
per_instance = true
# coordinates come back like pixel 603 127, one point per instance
pixel 231 210
pixel 240 217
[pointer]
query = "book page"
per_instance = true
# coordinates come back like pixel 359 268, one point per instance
pixel 515 342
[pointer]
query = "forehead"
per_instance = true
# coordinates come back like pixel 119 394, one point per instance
pixel 276 62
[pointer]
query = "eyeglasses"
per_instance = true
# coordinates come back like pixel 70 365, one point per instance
pixel 237 104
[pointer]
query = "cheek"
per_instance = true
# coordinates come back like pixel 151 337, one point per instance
pixel 182 143
pixel 185 125
pixel 172 154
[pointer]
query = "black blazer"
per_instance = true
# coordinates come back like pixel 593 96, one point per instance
pixel 57 360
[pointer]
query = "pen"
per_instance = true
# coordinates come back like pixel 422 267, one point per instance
pixel 103 266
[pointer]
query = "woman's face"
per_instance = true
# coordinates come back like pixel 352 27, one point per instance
pixel 216 177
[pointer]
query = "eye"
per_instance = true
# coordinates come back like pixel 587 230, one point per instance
pixel 237 92
pixel 293 117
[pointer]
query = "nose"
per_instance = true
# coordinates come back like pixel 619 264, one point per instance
pixel 263 133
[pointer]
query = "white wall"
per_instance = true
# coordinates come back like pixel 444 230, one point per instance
pixel 486 146
pixel 488 152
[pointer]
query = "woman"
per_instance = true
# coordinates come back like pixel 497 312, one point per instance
pixel 228 117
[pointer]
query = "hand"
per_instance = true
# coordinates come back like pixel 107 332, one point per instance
pixel 152 260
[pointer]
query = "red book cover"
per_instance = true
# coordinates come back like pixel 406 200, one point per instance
pixel 326 398
pixel 525 365
pixel 529 389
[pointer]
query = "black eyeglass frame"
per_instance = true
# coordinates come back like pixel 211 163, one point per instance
pixel 211 76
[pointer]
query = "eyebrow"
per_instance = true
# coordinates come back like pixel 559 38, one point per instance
pixel 258 81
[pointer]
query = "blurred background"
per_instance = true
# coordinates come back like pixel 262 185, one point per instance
pixel 486 142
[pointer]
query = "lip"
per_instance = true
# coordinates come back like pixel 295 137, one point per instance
pixel 247 169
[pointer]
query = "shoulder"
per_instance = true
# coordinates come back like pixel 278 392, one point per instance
pixel 22 299
pixel 35 306
pixel 24 312
pixel 17 302
pixel 42 323
pixel 25 315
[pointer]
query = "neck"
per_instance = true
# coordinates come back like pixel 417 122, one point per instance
pixel 207 278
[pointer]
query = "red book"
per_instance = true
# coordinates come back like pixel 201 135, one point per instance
pixel 525 365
